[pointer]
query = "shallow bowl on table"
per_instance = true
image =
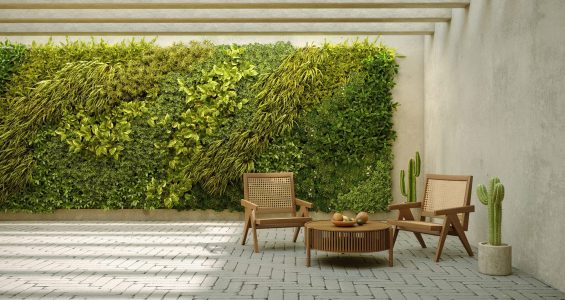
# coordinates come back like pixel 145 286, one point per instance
pixel 344 223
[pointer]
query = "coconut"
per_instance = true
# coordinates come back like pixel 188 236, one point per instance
pixel 363 216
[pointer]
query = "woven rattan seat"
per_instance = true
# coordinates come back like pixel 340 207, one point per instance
pixel 266 193
pixel 445 197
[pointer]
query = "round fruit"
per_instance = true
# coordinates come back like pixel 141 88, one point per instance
pixel 363 216
pixel 337 217
pixel 360 221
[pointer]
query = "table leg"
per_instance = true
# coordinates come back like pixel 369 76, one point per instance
pixel 307 237
pixel 390 247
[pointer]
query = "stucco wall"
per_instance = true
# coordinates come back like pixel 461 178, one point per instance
pixel 409 91
pixel 495 105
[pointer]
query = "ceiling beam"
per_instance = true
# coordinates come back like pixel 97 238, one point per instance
pixel 224 16
pixel 225 4
pixel 218 29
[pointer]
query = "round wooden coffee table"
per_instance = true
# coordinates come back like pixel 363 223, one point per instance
pixel 371 237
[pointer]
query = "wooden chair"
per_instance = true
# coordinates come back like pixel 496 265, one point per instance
pixel 446 197
pixel 266 193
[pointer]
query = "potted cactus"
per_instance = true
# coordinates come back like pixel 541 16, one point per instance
pixel 495 258
pixel 413 173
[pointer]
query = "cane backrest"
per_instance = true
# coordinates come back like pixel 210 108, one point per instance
pixel 443 192
pixel 270 190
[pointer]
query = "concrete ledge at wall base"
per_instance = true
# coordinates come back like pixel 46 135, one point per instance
pixel 154 215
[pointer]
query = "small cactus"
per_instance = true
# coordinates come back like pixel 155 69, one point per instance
pixel 493 199
pixel 413 172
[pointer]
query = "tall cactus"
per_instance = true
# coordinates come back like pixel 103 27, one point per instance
pixel 493 199
pixel 413 172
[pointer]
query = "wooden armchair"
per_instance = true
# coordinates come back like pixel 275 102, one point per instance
pixel 446 197
pixel 266 193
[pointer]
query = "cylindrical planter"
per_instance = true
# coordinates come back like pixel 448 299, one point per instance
pixel 495 260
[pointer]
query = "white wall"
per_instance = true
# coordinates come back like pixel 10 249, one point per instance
pixel 495 105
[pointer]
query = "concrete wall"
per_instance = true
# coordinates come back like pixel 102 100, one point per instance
pixel 495 105
pixel 409 91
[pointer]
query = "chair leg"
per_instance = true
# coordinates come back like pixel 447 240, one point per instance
pixel 420 239
pixel 461 234
pixel 442 237
pixel 296 232
pixel 254 229
pixel 396 230
pixel 245 227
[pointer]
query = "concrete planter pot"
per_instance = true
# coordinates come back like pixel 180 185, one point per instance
pixel 495 260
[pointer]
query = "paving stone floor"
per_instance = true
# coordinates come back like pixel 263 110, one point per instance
pixel 204 260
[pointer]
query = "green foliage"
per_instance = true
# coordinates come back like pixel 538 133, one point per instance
pixel 85 84
pixel 93 76
pixel 209 102
pixel 135 125
pixel 103 134
pixel 281 155
pixel 302 81
pixel 11 56
pixel 493 199
pixel 413 172
pixel 337 146
pixel 371 195
pixel 279 94
pixel 62 179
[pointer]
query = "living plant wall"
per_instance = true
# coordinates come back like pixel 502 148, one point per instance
pixel 136 125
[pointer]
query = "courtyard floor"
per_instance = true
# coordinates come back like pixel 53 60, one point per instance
pixel 204 260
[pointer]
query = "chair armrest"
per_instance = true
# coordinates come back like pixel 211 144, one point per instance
pixel 454 210
pixel 303 203
pixel 405 205
pixel 248 204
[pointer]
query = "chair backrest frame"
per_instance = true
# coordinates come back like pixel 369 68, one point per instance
pixel 468 180
pixel 272 181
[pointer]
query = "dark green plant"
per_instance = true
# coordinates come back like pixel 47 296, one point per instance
pixel 371 195
pixel 492 198
pixel 413 173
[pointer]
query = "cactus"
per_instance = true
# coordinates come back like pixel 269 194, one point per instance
pixel 493 199
pixel 413 172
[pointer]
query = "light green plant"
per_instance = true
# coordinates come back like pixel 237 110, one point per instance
pixel 492 198
pixel 413 173
pixel 102 135
pixel 11 56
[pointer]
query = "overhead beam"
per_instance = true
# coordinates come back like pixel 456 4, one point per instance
pixel 225 4
pixel 224 16
pixel 218 29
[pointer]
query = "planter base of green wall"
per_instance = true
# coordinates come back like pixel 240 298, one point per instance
pixel 149 215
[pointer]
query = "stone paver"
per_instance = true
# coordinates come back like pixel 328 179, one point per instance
pixel 204 260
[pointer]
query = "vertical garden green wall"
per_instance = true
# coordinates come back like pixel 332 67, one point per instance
pixel 136 125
